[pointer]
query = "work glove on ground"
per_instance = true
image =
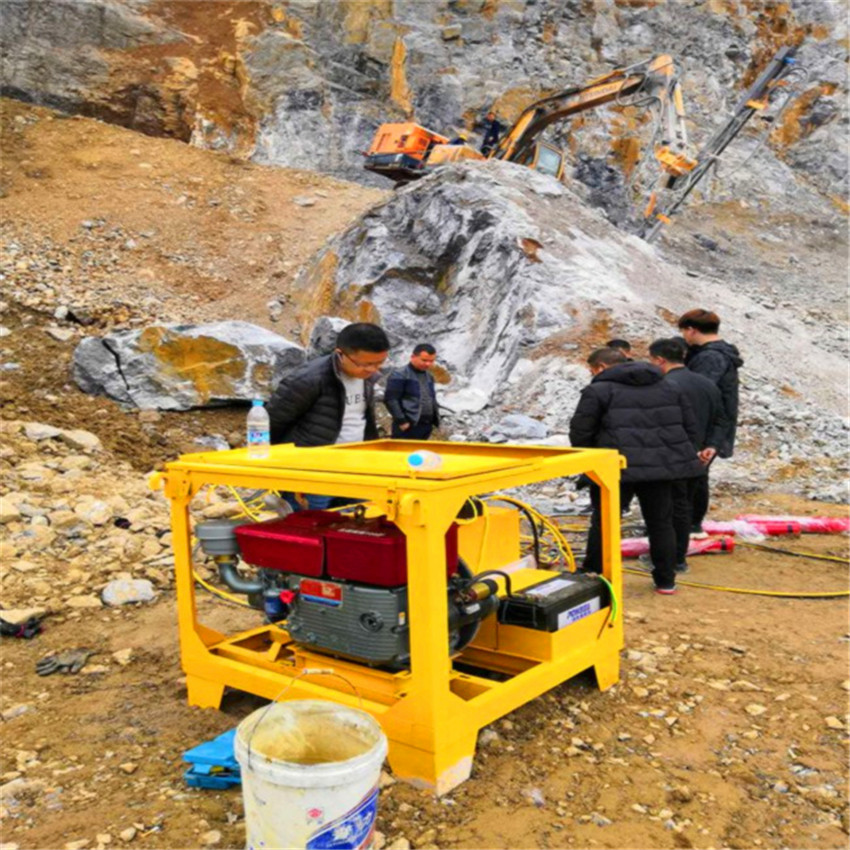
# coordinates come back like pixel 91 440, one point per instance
pixel 28 629
pixel 69 661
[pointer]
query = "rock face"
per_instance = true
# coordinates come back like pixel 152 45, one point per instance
pixel 515 280
pixel 306 83
pixel 488 262
pixel 177 367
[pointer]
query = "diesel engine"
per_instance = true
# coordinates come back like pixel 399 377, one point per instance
pixel 340 582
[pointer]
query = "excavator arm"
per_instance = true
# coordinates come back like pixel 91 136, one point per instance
pixel 652 81
pixel 755 100
pixel 405 152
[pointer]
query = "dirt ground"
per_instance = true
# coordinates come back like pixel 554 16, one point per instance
pixel 718 734
pixel 728 727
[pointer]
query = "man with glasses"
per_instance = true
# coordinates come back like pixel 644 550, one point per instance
pixel 331 399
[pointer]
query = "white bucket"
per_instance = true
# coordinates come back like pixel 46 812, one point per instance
pixel 310 771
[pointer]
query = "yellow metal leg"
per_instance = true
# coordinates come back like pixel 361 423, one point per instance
pixel 440 771
pixel 607 671
pixel 203 692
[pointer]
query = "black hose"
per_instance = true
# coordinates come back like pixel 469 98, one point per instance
pixel 530 518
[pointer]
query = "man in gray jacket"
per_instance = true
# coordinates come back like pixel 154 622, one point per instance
pixel 411 398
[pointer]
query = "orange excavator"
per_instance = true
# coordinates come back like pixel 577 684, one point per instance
pixel 406 151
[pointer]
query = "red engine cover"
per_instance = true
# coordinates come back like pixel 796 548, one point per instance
pixel 374 551
pixel 293 544
pixel 326 544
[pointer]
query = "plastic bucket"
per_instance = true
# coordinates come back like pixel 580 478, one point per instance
pixel 310 771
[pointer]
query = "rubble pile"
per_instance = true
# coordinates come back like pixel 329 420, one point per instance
pixel 69 502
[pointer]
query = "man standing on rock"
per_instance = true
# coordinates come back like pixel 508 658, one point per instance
pixel 331 399
pixel 669 356
pixel 492 131
pixel 411 397
pixel 718 361
pixel 628 406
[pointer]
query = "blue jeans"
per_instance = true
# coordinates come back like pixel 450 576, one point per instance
pixel 317 502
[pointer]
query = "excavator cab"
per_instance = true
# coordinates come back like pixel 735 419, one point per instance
pixel 548 160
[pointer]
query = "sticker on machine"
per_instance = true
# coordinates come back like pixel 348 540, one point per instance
pixel 541 591
pixel 323 592
pixel 578 612
pixel 351 831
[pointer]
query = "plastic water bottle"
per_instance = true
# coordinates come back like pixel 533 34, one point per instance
pixel 424 461
pixel 259 431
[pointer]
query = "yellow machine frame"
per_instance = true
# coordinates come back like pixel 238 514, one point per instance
pixel 432 712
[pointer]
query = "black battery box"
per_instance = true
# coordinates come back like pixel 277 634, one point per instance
pixel 555 603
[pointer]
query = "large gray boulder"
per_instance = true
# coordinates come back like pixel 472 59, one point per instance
pixel 178 367
pixel 324 334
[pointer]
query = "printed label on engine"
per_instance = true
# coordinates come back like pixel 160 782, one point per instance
pixel 323 592
pixel 351 831
pixel 578 612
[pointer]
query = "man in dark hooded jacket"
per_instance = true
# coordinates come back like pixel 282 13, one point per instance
pixel 719 361
pixel 629 407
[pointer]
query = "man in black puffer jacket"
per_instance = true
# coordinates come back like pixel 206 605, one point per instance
pixel 629 407
pixel 669 356
pixel 331 399
pixel 718 361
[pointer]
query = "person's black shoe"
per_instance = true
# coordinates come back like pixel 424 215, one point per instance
pixel 682 568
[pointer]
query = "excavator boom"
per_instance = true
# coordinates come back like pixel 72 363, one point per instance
pixel 652 80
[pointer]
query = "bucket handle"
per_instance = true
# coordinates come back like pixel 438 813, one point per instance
pixel 306 671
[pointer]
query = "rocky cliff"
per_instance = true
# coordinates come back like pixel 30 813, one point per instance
pixel 305 83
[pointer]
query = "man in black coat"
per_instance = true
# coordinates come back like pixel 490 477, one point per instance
pixel 707 404
pixel 629 407
pixel 411 398
pixel 331 398
pixel 492 131
pixel 719 361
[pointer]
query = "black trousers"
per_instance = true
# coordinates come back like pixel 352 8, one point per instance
pixel 699 501
pixel 420 431
pixel 684 498
pixel 656 506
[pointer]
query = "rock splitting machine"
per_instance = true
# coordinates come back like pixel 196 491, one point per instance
pixel 423 611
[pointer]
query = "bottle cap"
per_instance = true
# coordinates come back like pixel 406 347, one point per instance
pixel 415 459
pixel 257 402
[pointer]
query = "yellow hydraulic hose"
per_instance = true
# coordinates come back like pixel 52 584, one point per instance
pixel 783 594
pixel 216 592
pixel 560 541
